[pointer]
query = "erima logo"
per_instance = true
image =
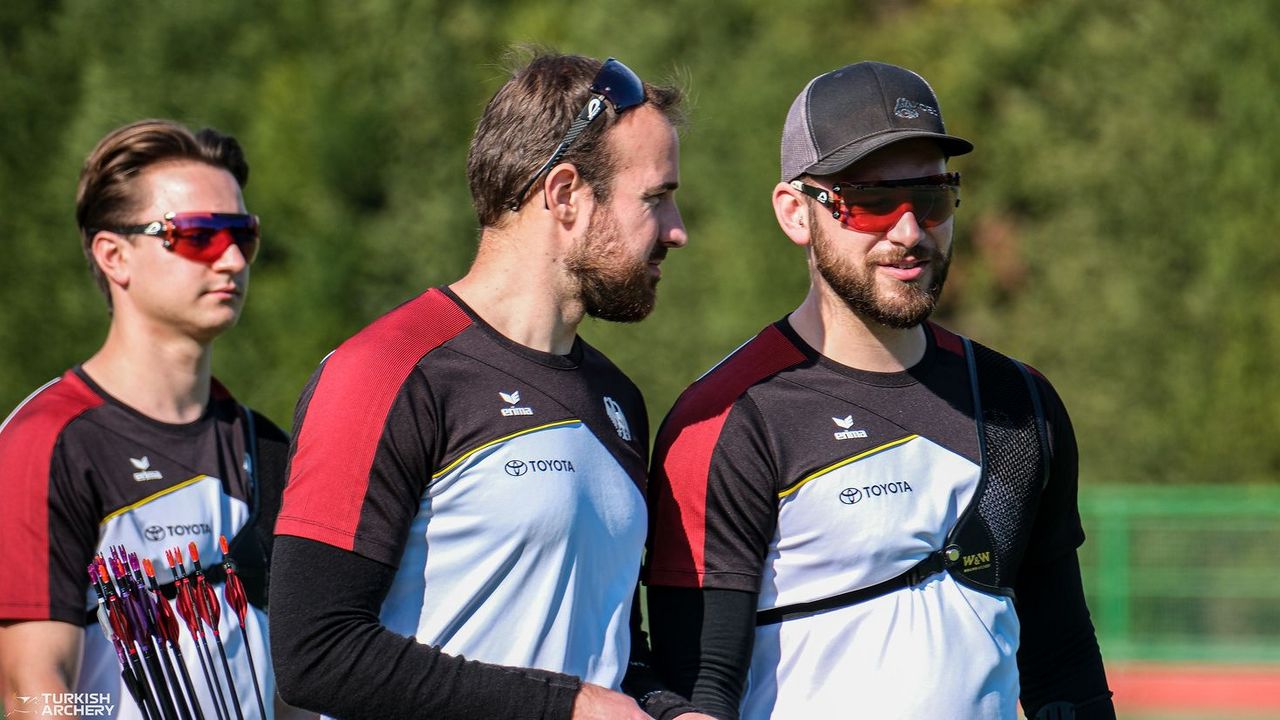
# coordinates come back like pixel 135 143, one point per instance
pixel 614 411
pixel 853 495
pixel 909 110
pixel 145 472
pixel 847 434
pixel 511 399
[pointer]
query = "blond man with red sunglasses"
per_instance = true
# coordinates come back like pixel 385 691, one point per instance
pixel 847 506
pixel 140 446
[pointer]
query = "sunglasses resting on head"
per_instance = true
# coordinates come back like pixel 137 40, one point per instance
pixel 615 83
pixel 200 237
pixel 876 207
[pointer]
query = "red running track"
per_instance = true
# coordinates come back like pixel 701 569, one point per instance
pixel 1244 691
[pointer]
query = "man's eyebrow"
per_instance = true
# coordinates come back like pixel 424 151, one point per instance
pixel 664 187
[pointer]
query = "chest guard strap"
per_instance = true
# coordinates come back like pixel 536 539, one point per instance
pixel 985 547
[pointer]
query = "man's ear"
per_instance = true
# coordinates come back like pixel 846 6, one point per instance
pixel 566 194
pixel 792 211
pixel 112 252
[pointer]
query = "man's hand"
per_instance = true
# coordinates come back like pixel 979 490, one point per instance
pixel 598 703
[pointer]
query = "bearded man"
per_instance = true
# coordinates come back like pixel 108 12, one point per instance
pixel 467 464
pixel 846 506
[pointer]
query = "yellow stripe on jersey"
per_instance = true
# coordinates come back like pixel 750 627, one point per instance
pixel 149 498
pixel 445 470
pixel 846 461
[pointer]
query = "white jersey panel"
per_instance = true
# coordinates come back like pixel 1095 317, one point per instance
pixel 865 520
pixel 526 553
pixel 940 651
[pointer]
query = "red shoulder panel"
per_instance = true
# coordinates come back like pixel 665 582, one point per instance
pixel 946 339
pixel 27 440
pixel 329 471
pixel 682 456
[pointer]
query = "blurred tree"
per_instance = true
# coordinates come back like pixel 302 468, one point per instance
pixel 1110 232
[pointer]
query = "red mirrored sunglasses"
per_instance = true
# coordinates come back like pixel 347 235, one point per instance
pixel 201 237
pixel 877 207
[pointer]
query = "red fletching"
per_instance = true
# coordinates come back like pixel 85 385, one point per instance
pixel 207 603
pixel 120 624
pixel 165 621
pixel 187 610
pixel 235 595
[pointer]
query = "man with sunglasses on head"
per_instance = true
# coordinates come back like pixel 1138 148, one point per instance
pixel 847 507
pixel 467 468
pixel 140 445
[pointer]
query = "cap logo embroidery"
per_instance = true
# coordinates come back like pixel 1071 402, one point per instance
pixel 909 110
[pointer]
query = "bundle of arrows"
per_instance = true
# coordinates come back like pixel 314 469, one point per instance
pixel 139 622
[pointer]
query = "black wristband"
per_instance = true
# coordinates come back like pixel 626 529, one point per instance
pixel 665 705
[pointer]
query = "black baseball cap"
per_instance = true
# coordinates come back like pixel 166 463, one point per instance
pixel 844 115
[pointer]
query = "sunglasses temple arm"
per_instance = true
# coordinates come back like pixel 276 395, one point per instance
pixel 579 124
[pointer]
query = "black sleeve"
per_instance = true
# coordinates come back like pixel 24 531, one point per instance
pixel 332 654
pixel 702 641
pixel 1059 659
pixel 642 681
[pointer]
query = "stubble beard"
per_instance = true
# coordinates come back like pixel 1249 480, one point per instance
pixel 611 285
pixel 911 305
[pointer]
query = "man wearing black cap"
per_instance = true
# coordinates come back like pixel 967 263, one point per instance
pixel 846 507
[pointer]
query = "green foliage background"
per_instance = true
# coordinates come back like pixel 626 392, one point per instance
pixel 1113 232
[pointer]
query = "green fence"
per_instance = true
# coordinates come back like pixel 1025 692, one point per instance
pixel 1183 572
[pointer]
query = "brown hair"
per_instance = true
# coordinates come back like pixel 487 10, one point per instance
pixel 526 119
pixel 107 193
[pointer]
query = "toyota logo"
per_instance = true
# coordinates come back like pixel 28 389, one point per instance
pixel 155 533
pixel 516 468
pixel 849 496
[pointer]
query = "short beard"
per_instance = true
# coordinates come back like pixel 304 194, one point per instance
pixel 610 285
pixel 857 286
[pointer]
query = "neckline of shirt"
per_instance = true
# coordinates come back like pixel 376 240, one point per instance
pixel 902 378
pixel 195 427
pixel 571 361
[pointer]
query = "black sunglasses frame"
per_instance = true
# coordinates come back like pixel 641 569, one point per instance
pixel 614 82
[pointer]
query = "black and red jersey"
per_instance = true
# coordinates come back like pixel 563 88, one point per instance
pixel 785 474
pixel 81 472
pixel 503 483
